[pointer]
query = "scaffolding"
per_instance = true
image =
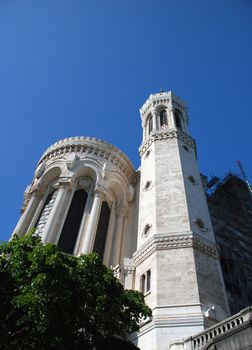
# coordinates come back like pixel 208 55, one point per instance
pixel 230 206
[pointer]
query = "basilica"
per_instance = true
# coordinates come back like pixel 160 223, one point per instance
pixel 151 225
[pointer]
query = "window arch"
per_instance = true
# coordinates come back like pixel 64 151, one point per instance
pixel 178 120
pixel 72 223
pixel 102 230
pixel 163 118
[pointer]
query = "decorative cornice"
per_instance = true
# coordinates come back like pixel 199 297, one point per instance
pixel 164 134
pixel 91 147
pixel 177 241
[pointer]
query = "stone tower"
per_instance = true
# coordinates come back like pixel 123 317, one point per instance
pixel 152 226
pixel 176 260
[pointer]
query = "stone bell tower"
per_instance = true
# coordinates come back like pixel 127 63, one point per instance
pixel 177 266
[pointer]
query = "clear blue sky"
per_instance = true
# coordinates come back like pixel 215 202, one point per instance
pixel 84 67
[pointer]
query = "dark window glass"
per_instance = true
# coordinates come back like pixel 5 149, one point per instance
pixel 102 229
pixel 163 118
pixel 177 121
pixel 73 220
pixel 148 280
pixel 142 284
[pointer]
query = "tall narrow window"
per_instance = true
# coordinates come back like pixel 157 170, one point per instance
pixel 45 212
pixel 148 280
pixel 178 120
pixel 72 223
pixel 142 284
pixel 102 229
pixel 150 124
pixel 163 118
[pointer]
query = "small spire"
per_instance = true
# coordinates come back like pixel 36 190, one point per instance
pixel 161 90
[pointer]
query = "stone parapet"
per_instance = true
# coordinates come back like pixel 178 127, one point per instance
pixel 233 333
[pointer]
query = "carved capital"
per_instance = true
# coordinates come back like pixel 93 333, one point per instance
pixel 98 192
pixel 64 182
pixel 154 111
pixel 37 190
pixel 121 211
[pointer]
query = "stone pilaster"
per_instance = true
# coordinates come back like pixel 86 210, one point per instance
pixel 56 213
pixel 25 219
pixel 92 222
pixel 121 213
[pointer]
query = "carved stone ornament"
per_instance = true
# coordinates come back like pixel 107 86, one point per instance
pixel 130 194
pixel 40 170
pixel 71 159
pixel 85 183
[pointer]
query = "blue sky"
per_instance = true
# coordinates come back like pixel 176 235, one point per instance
pixel 85 67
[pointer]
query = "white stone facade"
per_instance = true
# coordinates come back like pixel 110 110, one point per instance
pixel 159 236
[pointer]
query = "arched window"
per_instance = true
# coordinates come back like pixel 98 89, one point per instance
pixel 43 217
pixel 178 120
pixel 72 223
pixel 102 230
pixel 163 118
pixel 150 124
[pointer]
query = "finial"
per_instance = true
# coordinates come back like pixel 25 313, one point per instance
pixel 161 90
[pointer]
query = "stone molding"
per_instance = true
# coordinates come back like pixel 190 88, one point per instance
pixel 178 241
pixel 88 146
pixel 164 134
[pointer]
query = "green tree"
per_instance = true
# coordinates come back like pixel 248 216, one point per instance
pixel 52 300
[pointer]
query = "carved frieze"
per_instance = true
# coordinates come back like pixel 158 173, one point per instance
pixel 165 134
pixel 165 242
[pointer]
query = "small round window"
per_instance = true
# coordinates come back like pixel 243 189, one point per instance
pixel 200 224
pixel 146 230
pixel 147 185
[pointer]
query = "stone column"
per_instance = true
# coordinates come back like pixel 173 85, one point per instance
pixel 118 235
pixel 26 218
pixel 171 121
pixel 92 222
pixel 50 233
pixel 154 116
pixel 144 131
pixel 83 225
pixel 107 258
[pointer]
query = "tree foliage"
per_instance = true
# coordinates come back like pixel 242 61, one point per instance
pixel 52 300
